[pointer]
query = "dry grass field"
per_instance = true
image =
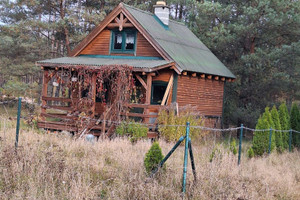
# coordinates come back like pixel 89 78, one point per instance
pixel 49 166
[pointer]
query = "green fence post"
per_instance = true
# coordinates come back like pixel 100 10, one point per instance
pixel 192 160
pixel 290 140
pixel 270 140
pixel 18 122
pixel 240 144
pixel 185 157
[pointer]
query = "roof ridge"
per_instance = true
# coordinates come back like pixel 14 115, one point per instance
pixel 152 14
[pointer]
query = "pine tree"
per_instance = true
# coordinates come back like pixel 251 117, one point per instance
pixel 247 34
pixel 277 126
pixel 284 118
pixel 295 124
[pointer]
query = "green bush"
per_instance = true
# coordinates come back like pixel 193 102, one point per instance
pixel 284 119
pixel 295 124
pixel 153 157
pixel 233 148
pixel 277 126
pixel 173 133
pixel 250 153
pixel 133 130
pixel 261 138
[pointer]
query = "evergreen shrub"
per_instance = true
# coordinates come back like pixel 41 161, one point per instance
pixel 277 126
pixel 250 153
pixel 233 148
pixel 261 138
pixel 284 119
pixel 295 124
pixel 153 157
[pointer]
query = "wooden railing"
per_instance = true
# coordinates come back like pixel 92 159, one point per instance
pixel 56 99
pixel 145 116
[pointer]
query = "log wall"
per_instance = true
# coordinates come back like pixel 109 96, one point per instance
pixel 206 94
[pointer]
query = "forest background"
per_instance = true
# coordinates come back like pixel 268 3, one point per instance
pixel 258 40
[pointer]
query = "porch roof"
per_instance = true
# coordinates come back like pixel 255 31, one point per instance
pixel 137 64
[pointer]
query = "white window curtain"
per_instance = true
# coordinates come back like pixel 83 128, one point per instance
pixel 119 38
pixel 129 39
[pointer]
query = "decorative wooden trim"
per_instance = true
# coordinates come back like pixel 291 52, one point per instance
pixel 115 25
pixel 202 75
pixel 141 81
pixel 223 79
pixel 216 78
pixel 194 74
pixel 184 73
pixel 229 80
pixel 209 76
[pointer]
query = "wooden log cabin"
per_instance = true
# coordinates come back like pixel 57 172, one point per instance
pixel 168 62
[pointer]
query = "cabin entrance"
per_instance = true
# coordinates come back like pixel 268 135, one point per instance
pixel 157 92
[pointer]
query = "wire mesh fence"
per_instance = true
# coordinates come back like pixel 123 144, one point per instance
pixel 242 136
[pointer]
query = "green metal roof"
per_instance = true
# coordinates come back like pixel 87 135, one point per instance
pixel 181 44
pixel 90 61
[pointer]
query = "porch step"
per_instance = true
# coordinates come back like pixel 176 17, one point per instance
pixel 152 134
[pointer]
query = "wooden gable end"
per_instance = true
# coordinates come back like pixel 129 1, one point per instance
pixel 100 45
pixel 99 42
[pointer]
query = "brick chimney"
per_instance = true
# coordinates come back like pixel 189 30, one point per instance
pixel 162 11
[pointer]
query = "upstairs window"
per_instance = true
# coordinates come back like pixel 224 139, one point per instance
pixel 123 41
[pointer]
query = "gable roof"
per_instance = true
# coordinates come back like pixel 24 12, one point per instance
pixel 181 44
pixel 175 43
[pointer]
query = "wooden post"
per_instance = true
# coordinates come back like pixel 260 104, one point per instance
pixel 44 92
pixel 94 79
pixel 167 92
pixel 148 90
pixel 148 95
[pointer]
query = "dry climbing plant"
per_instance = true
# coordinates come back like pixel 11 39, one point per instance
pixel 114 86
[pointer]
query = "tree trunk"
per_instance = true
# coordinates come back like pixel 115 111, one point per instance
pixel 66 31
pixel 252 45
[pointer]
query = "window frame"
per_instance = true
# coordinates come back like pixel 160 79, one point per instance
pixel 124 32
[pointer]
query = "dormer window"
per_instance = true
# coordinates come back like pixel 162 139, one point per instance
pixel 123 41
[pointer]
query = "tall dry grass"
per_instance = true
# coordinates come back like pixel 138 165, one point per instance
pixel 48 166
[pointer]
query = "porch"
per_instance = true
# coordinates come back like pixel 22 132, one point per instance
pixel 88 98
